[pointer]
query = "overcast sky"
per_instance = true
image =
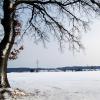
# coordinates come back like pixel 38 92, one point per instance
pixel 52 57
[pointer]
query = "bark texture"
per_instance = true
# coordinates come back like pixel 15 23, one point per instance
pixel 7 42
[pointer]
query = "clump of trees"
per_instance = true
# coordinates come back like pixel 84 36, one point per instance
pixel 63 19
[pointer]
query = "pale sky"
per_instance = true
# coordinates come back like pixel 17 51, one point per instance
pixel 52 57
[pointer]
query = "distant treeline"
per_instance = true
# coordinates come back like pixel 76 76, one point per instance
pixel 64 69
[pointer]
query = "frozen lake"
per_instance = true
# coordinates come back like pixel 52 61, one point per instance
pixel 58 85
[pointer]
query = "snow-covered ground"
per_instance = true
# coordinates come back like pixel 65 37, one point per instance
pixel 58 85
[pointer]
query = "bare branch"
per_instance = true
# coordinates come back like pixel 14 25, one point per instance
pixel 42 20
pixel 97 3
pixel 46 2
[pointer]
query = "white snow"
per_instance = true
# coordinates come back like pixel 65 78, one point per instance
pixel 58 85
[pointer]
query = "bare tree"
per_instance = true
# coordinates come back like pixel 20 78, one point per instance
pixel 63 19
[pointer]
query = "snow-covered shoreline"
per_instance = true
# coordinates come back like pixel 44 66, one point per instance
pixel 58 85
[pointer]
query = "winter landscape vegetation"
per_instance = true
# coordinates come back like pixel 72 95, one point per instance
pixel 49 21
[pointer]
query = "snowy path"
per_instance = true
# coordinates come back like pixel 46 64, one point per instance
pixel 58 85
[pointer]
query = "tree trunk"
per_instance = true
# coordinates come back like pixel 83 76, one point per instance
pixel 3 73
pixel 4 54
pixel 7 42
